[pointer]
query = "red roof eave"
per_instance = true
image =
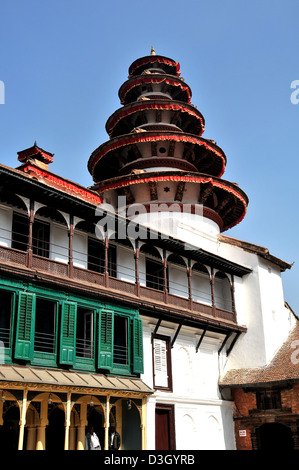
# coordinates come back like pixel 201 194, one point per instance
pixel 62 184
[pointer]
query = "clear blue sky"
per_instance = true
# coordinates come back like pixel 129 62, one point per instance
pixel 62 63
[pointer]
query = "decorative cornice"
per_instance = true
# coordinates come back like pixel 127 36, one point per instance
pixel 61 183
pixel 153 78
pixel 132 108
pixel 154 59
pixel 143 137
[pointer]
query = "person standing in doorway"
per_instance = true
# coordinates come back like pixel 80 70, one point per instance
pixel 91 440
pixel 114 438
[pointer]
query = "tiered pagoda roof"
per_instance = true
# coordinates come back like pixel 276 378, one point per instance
pixel 156 141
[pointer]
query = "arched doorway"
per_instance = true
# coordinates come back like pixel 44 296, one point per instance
pixel 95 417
pixel 276 436
pixel 55 432
pixel 9 434
pixel 131 430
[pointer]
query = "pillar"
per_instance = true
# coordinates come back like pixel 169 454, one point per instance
pixel 189 274
pixel 41 428
pixel 71 237
pixel 30 240
pixel 72 440
pixel 67 421
pixel 23 419
pixel 213 292
pixel 31 437
pixel 143 424
pixel 165 277
pixel 81 427
pixel 137 280
pixel 107 422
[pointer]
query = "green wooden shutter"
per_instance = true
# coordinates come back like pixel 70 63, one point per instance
pixel 137 346
pixel 25 326
pixel 106 328
pixel 67 334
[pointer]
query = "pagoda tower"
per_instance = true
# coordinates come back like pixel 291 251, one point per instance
pixel 157 158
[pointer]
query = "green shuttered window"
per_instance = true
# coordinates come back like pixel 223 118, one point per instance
pixel 106 327
pixel 68 328
pixel 24 346
pixel 78 333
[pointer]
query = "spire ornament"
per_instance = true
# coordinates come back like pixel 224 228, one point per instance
pixel 153 52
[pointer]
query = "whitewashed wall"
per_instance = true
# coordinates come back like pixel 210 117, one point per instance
pixel 202 419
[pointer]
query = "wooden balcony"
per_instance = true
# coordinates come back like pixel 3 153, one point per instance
pixel 13 258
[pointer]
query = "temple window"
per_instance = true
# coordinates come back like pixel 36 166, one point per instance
pixel 20 231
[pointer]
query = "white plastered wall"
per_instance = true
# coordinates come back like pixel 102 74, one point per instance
pixel 202 419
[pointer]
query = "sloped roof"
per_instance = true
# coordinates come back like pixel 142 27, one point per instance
pixel 283 368
pixel 257 249
pixel 66 378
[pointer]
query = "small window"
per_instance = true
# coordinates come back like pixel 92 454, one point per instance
pixel 268 400
pixel 20 230
pixel 84 335
pixel 41 238
pixel 120 348
pixel 6 310
pixel 96 257
pixel 120 343
pixel 45 326
pixel 154 274
pixel 162 362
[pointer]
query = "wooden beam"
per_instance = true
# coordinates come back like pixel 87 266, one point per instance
pixel 201 338
pixel 176 334
pixel 180 191
pixel 153 190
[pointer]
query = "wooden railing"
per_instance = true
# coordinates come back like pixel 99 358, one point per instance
pixel 38 263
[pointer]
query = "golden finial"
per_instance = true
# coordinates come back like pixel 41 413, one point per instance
pixel 153 52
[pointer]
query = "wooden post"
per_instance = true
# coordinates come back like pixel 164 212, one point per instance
pixel 213 292
pixel 23 419
pixel 67 421
pixel 165 277
pixel 30 236
pixel 137 280
pixel 71 238
pixel 107 422
pixel 41 429
pixel 189 274
pixel 106 246
pixel 233 298
pixel 81 428
pixel 143 424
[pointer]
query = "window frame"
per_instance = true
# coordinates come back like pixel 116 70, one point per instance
pixel 8 351
pixel 265 399
pixel 40 357
pixel 106 341
pixel 65 333
pixel 81 362
pixel 45 241
pixel 18 244
pixel 167 341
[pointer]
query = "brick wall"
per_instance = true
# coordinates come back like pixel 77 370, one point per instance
pixel 247 423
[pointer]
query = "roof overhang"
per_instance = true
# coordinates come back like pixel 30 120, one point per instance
pixel 18 377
